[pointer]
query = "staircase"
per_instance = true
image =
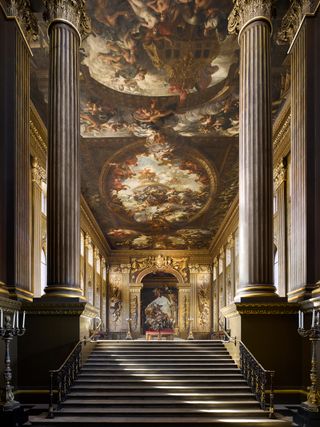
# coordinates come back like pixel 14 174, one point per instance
pixel 161 383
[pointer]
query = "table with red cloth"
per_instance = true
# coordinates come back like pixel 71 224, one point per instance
pixel 168 333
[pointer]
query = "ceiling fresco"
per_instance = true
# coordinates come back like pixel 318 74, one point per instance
pixel 159 118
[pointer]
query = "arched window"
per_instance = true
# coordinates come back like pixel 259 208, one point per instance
pixel 82 244
pixel 43 271
pixel 276 269
pixel 44 198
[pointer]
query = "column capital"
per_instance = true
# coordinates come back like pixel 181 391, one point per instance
pixel 87 241
pixel 71 11
pixel 293 18
pixel 96 254
pixel 279 174
pixel 215 262
pixel 246 11
pixel 21 10
pixel 37 172
pixel 230 242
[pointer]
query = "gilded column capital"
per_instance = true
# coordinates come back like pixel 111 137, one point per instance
pixel 96 254
pixel 293 18
pixel 87 241
pixel 70 11
pixel 246 11
pixel 21 9
pixel 279 174
pixel 37 172
pixel 230 242
pixel 215 262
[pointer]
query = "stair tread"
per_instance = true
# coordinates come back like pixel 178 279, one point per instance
pixel 172 401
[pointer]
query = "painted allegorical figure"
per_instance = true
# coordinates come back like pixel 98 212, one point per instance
pixel 161 312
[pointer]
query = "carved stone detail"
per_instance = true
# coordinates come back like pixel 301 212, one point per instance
pixel 246 10
pixel 87 241
pixel 279 174
pixel 293 18
pixel 73 11
pixel 121 268
pixel 21 9
pixel 159 262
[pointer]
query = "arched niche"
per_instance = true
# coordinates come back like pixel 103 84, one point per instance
pixel 166 269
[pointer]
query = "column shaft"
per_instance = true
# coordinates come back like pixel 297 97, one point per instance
pixel 255 152
pixel 63 163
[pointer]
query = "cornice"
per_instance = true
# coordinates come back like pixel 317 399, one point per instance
pixel 8 304
pixel 61 309
pixel 260 308
pixel 228 226
pixel 282 131
pixel 90 225
pixel 38 136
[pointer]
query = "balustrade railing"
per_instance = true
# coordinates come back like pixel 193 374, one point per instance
pixel 63 378
pixel 260 380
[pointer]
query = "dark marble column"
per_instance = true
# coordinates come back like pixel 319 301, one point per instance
pixel 17 24
pixel 303 34
pixel 251 20
pixel 65 23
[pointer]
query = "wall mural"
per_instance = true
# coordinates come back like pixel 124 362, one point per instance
pixel 160 308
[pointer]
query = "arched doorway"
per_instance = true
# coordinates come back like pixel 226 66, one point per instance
pixel 159 288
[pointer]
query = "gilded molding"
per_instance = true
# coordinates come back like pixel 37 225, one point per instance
pixel 21 10
pixel 199 268
pixel 293 19
pixel 160 262
pixel 71 11
pixel 66 309
pixel 271 308
pixel 246 11
pixel 279 174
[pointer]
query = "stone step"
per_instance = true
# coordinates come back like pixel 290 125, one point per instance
pixel 236 393
pixel 230 386
pixel 160 421
pixel 165 375
pixel 252 403
pixel 160 371
pixel 158 411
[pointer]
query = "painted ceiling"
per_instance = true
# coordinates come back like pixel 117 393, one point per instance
pixel 159 119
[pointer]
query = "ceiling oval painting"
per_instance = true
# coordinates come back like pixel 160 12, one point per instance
pixel 157 185
pixel 158 47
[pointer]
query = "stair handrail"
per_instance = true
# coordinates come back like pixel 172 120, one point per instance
pixel 257 377
pixel 66 374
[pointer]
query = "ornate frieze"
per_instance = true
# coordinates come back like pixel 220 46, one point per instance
pixel 247 10
pixel 160 262
pixel 293 18
pixel 279 174
pixel 199 268
pixel 120 268
pixel 21 9
pixel 72 11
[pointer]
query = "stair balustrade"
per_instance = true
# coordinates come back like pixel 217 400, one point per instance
pixel 259 379
pixel 63 378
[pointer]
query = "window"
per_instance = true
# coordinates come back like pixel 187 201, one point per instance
pixel 82 244
pixel 44 199
pixel 43 271
pixel 276 269
pixel 90 255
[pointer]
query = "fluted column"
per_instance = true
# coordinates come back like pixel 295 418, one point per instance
pixel 66 18
pixel 251 20
pixel 280 176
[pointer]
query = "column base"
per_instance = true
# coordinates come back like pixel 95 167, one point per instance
pixel 254 291
pixel 269 330
pixel 60 291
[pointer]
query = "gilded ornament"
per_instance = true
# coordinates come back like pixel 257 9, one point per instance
pixel 199 268
pixel 21 9
pixel 203 304
pixel 245 11
pixel 280 174
pixel 160 262
pixel 72 11
pixel 293 18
